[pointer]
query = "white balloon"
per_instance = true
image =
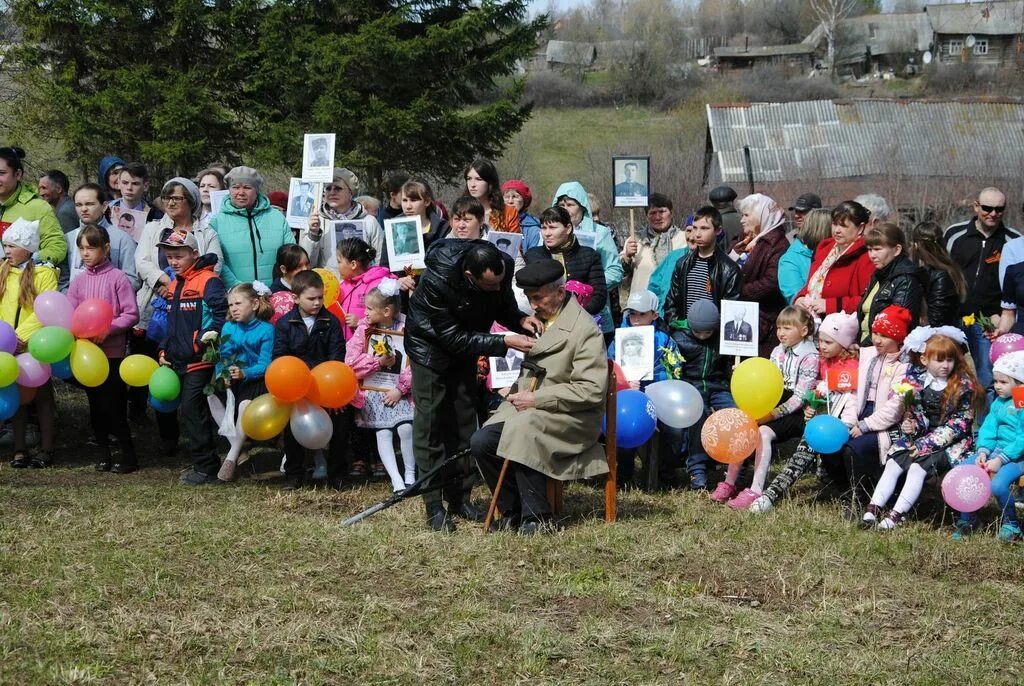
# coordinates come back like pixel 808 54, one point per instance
pixel 311 425
pixel 677 403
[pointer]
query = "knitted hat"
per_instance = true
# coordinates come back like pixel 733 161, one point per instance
pixel 246 175
pixel 23 234
pixel 1011 364
pixel 840 327
pixel 520 188
pixel 193 193
pixel 703 316
pixel 893 322
pixel 278 199
pixel 348 178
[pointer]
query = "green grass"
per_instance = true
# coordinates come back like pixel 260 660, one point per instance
pixel 126 579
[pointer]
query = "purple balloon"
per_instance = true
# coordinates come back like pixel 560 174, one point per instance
pixel 8 339
pixel 54 309
pixel 31 372
pixel 966 488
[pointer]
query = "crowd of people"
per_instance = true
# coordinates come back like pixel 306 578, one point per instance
pixel 884 325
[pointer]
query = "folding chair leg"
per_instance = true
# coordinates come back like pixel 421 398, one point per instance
pixel 555 495
pixel 494 498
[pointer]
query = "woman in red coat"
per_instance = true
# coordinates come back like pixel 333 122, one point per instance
pixel 841 269
pixel 757 252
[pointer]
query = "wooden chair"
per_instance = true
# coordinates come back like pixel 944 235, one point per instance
pixel 555 486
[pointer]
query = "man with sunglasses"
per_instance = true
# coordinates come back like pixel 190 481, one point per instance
pixel 976 245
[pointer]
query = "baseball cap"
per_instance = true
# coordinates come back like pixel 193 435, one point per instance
pixel 806 202
pixel 170 238
pixel 642 301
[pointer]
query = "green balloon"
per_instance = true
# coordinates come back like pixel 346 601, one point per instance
pixel 51 344
pixel 164 384
pixel 8 369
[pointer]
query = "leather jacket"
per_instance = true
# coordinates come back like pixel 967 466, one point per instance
pixel 724 277
pixel 901 282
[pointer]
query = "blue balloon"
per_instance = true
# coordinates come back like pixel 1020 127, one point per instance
pixel 10 401
pixel 635 419
pixel 165 405
pixel 825 434
pixel 62 369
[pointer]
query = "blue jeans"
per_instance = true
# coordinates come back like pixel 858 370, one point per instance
pixel 1007 475
pixel 697 461
pixel 980 348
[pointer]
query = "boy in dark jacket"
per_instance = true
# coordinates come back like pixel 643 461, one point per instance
pixel 708 372
pixel 314 335
pixel 198 307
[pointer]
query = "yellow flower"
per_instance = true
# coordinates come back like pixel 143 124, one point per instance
pixel 380 348
pixel 969 320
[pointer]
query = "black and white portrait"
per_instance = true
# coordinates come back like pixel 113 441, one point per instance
pixel 631 181
pixel 318 157
pixel 508 243
pixel 739 328
pixel 634 352
pixel 404 239
pixel 301 198
pixel 505 370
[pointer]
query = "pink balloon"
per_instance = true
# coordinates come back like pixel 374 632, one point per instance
pixel 966 488
pixel 1007 343
pixel 31 372
pixel 283 304
pixel 54 309
pixel 92 318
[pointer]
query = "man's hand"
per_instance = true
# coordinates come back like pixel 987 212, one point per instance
pixel 392 397
pixel 407 283
pixel 314 225
pixel 523 400
pixel 518 341
pixel 532 324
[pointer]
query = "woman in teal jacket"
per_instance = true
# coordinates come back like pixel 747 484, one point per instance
pixel 18 201
pixel 250 230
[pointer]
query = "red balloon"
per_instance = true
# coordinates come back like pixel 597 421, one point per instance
pixel 92 318
pixel 334 385
pixel 621 382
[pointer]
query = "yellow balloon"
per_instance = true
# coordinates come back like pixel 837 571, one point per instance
pixel 756 387
pixel 331 285
pixel 88 363
pixel 265 418
pixel 136 370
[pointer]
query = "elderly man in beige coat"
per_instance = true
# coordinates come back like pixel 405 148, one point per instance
pixel 550 422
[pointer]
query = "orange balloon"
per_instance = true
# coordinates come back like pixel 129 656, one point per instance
pixel 334 385
pixel 729 436
pixel 288 379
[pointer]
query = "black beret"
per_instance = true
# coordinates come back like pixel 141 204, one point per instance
pixel 540 273
pixel 722 194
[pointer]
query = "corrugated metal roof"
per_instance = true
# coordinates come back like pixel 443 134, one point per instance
pixel 837 139
pixel 977 18
pixel 568 52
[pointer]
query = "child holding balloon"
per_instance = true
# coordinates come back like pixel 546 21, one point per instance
pixel 1001 447
pixel 21 280
pixel 108 402
pixel 943 397
pixel 387 412
pixel 796 356
pixel 248 340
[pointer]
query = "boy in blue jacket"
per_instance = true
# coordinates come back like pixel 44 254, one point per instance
pixel 642 310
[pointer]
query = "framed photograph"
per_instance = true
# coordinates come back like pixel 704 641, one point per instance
pixel 301 201
pixel 217 199
pixel 318 157
pixel 404 239
pixel 129 221
pixel 738 332
pixel 631 181
pixel 508 243
pixel 338 231
pixel 505 370
pixel 587 238
pixel 634 352
pixel 385 343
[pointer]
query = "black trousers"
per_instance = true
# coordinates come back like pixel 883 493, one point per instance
pixel 166 422
pixel 108 413
pixel 444 422
pixel 337 464
pixel 524 491
pixel 197 422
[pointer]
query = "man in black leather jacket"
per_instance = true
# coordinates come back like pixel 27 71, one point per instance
pixel 723 275
pixel 466 288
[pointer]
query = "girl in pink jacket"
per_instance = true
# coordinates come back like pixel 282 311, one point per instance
pixel 357 278
pixel 875 417
pixel 376 355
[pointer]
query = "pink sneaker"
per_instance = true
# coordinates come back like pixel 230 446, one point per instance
pixel 723 492
pixel 744 500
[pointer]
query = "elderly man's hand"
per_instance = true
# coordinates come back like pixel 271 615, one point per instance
pixel 518 341
pixel 523 400
pixel 532 324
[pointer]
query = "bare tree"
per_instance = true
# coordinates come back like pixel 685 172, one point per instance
pixel 830 13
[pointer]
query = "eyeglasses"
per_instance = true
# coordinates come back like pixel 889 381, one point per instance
pixel 332 188
pixel 989 209
pixel 173 198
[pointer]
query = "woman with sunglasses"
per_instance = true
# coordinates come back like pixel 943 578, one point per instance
pixel 339 204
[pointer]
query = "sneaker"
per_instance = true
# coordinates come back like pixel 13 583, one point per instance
pixel 723 492
pixel 698 481
pixel 227 470
pixel 891 521
pixel 870 518
pixel 1010 533
pixel 745 499
pixel 761 505
pixel 193 478
pixel 964 528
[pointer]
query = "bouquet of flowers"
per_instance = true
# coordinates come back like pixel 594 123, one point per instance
pixel 211 354
pixel 815 400
pixel 981 320
pixel 906 392
pixel 673 362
